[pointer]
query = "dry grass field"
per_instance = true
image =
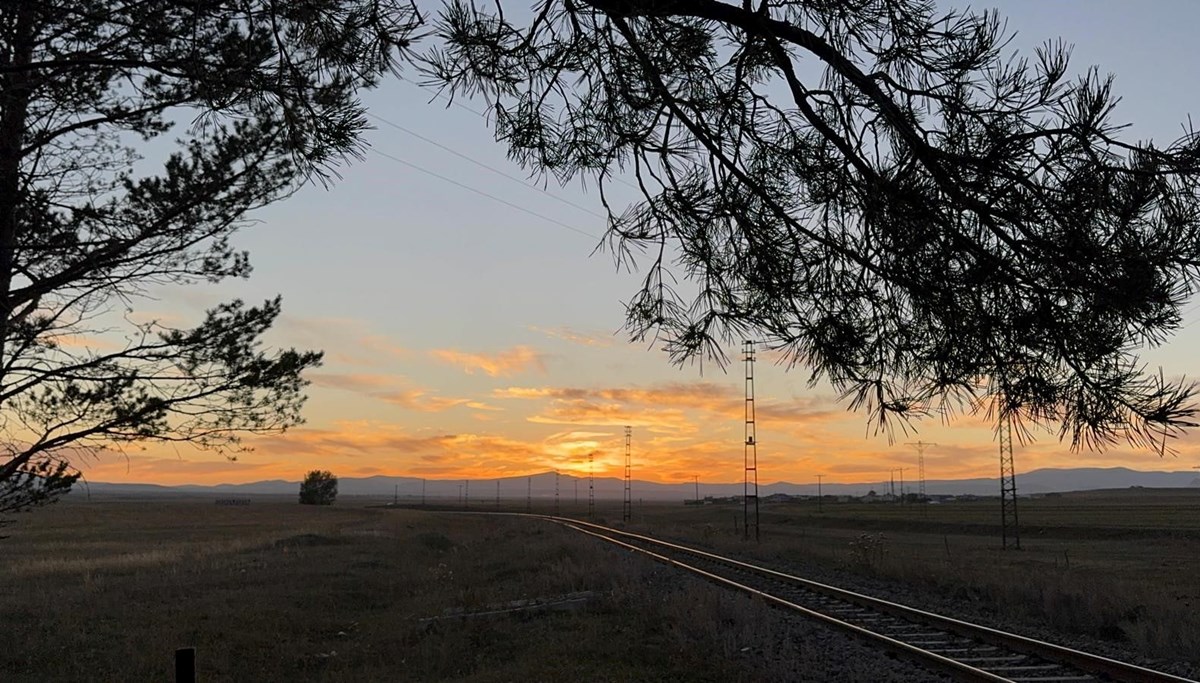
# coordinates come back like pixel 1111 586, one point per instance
pixel 1121 566
pixel 274 591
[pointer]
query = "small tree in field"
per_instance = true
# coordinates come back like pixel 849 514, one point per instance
pixel 318 488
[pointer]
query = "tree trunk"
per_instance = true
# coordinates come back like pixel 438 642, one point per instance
pixel 15 91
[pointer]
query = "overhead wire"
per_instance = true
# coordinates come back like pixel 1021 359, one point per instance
pixel 1186 313
pixel 450 100
pixel 567 202
pixel 482 165
pixel 482 193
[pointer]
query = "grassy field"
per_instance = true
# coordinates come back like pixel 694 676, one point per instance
pixel 1123 566
pixel 276 591
pixel 105 591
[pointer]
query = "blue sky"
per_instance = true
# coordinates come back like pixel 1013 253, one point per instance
pixel 428 298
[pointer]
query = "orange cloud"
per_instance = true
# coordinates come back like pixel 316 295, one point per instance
pixel 382 345
pixel 680 430
pixel 196 468
pixel 359 438
pixel 347 340
pixel 598 339
pixel 714 455
pixel 579 412
pixel 581 451
pixel 416 399
pixel 382 387
pixel 319 331
pixel 504 363
pixel 356 382
pixel 82 341
pixel 661 406
pixel 480 405
pixel 445 454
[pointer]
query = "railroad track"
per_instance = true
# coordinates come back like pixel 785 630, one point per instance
pixel 959 649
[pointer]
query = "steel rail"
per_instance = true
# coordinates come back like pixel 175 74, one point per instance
pixel 1087 662
pixel 945 664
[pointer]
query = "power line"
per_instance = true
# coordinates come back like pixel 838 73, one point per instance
pixel 487 167
pixel 1187 312
pixel 460 105
pixel 485 194
pixel 450 100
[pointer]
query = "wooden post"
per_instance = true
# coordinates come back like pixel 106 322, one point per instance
pixel 185 665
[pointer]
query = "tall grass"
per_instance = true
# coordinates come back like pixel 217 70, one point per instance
pixel 1123 573
pixel 288 592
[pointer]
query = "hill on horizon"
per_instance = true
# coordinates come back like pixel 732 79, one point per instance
pixel 542 485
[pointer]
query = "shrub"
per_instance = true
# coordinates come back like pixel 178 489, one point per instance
pixel 318 488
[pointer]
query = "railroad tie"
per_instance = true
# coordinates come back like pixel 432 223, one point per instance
pixel 961 650
pixel 928 634
pixel 984 660
pixel 922 636
pixel 1052 679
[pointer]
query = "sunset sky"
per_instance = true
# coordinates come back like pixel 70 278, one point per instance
pixel 467 338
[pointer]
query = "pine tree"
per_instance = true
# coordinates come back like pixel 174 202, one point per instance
pixel 882 191
pixel 260 97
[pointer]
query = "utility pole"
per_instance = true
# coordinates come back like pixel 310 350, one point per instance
pixel 422 491
pixel 556 510
pixel 920 446
pixel 893 473
pixel 591 485
pixel 750 453
pixel 529 495
pixel 627 505
pixel 460 494
pixel 820 498
pixel 577 492
pixel 497 494
pixel 697 478
pixel 466 494
pixel 892 486
pixel 396 495
pixel 1008 485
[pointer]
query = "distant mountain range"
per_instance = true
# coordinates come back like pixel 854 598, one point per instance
pixel 542 486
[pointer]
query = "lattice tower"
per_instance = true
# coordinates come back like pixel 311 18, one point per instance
pixel 750 453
